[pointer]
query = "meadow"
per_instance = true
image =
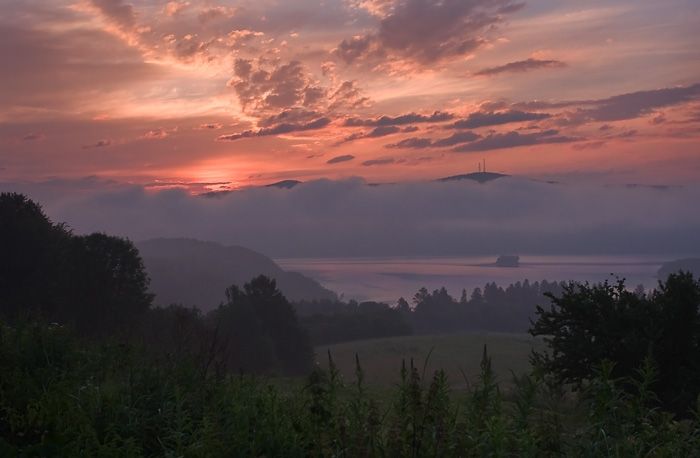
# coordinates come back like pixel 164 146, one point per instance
pixel 459 355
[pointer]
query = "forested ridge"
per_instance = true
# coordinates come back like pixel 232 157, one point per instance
pixel 90 368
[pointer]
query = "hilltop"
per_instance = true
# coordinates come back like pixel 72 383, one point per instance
pixel 481 177
pixel 196 273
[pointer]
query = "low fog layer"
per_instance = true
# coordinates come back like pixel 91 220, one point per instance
pixel 352 218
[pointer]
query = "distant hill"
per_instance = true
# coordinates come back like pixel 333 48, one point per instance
pixel 686 265
pixel 481 177
pixel 195 273
pixel 285 184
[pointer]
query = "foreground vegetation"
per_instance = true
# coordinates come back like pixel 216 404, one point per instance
pixel 61 396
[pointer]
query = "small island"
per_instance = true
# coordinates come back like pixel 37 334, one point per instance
pixel 508 260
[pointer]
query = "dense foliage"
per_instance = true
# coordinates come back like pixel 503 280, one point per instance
pixel 589 324
pixel 96 283
pixel 260 330
pixel 335 321
pixel 491 309
pixel 62 396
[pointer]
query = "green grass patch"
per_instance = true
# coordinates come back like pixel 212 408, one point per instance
pixel 458 355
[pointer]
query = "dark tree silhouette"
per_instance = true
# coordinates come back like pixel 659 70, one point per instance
pixel 95 282
pixel 31 253
pixel 109 286
pixel 588 324
pixel 677 344
pixel 261 329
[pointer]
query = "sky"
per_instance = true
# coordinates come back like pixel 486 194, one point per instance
pixel 120 116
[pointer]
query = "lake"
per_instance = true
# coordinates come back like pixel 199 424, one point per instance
pixel 387 279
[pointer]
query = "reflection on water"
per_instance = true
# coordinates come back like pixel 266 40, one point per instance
pixel 387 279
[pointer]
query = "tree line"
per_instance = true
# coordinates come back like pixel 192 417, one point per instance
pixel 492 308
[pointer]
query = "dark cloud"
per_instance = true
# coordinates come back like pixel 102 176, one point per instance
pixel 190 48
pixel 521 66
pixel 483 119
pixel 290 116
pixel 210 126
pixel 636 104
pixel 659 119
pixel 284 128
pixel 350 138
pixel 459 137
pixel 290 90
pixel 413 142
pixel 512 140
pixel 284 86
pixel 428 31
pixel 353 122
pixel 32 137
pixel 383 131
pixel 348 95
pixel 618 107
pixel 118 11
pixel 338 159
pixel 418 143
pixel 371 162
pixel 209 14
pixel 410 118
pixel 356 48
pixel 100 144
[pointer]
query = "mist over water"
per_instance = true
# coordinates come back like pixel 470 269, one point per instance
pixel 386 279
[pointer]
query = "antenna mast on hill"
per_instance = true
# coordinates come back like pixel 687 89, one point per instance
pixel 484 165
pixel 479 167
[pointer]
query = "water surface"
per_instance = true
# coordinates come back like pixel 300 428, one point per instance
pixel 388 278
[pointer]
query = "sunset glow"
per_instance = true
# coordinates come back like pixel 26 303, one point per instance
pixel 148 91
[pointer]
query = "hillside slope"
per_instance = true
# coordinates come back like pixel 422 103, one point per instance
pixel 196 273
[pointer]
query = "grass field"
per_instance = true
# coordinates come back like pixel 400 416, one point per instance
pixel 381 358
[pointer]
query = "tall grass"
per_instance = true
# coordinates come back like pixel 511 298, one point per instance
pixel 60 396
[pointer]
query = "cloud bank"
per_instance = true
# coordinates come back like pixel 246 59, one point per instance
pixel 350 218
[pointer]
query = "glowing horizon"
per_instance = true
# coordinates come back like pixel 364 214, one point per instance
pixel 220 95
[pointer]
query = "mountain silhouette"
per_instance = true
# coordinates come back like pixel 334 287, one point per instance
pixel 196 273
pixel 285 184
pixel 481 177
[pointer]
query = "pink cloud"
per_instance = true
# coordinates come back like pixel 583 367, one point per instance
pixel 154 134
